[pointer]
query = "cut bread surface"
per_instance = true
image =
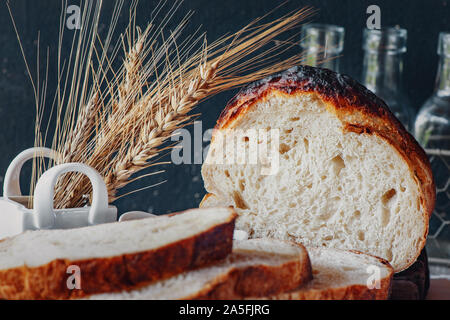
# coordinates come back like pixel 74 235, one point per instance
pixel 344 275
pixel 36 248
pixel 113 256
pixel 349 175
pixel 256 267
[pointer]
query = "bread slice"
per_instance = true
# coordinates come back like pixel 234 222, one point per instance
pixel 256 268
pixel 344 275
pixel 344 173
pixel 112 257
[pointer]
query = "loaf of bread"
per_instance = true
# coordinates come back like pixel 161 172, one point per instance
pixel 112 257
pixel 345 173
pixel 255 268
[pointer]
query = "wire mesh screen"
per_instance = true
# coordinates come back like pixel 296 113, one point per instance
pixel 438 245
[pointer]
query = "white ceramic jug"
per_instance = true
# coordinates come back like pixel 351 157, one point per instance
pixel 16 217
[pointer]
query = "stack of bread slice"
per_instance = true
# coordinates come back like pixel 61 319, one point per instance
pixel 189 255
pixel 278 270
pixel 255 268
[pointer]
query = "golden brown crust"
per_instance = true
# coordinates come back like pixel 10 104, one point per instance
pixel 115 274
pixel 354 292
pixel 258 281
pixel 351 292
pixel 205 198
pixel 359 110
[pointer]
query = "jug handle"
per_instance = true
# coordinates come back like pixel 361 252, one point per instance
pixel 44 216
pixel 11 185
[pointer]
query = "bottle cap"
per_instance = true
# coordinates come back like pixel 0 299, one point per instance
pixel 391 40
pixel 326 38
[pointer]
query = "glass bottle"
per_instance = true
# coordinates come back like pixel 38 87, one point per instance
pixel 383 69
pixel 432 130
pixel 322 45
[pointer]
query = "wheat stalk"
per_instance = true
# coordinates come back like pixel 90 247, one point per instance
pixel 156 132
pixel 125 125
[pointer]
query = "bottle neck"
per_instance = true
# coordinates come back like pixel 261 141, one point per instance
pixel 382 73
pixel 316 58
pixel 443 77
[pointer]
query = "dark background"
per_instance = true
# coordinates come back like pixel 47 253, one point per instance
pixel 422 18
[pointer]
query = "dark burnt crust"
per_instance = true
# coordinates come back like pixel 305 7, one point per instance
pixel 340 89
pixel 359 110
